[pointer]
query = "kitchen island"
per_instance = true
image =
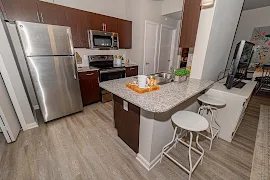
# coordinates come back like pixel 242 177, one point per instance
pixel 143 120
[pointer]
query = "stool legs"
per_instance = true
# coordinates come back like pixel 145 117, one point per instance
pixel 213 111
pixel 189 155
pixel 174 141
pixel 167 145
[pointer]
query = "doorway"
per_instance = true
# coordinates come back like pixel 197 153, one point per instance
pixel 166 47
pixel 159 47
pixel 150 47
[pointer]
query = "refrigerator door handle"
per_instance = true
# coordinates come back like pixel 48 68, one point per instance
pixel 75 69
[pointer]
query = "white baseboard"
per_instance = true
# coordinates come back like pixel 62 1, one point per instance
pixel 31 126
pixel 146 164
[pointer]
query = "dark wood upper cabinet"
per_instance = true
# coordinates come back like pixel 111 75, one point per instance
pixel 52 13
pixel 97 21
pixel 79 21
pixel 124 29
pixel 103 23
pixel 191 16
pixel 22 10
pixel 111 24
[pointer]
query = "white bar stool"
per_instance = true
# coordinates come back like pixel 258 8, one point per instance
pixel 188 122
pixel 210 105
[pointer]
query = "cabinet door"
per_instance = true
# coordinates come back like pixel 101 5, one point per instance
pixel 127 123
pixel 124 29
pixel 132 71
pixel 52 13
pixel 79 22
pixel 111 24
pixel 191 16
pixel 90 89
pixel 97 21
pixel 22 10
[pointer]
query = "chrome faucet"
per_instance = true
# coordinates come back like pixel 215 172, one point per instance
pixel 172 69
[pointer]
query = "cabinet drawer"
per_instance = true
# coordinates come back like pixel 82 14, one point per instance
pixel 132 71
pixel 88 75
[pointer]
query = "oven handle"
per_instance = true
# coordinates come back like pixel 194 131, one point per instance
pixel 112 70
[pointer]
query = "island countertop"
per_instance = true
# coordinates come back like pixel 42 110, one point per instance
pixel 169 96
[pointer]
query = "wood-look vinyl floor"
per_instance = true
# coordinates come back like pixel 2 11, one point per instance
pixel 86 146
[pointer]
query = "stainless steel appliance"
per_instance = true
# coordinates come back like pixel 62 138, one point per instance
pixel 49 55
pixel 107 71
pixel 103 40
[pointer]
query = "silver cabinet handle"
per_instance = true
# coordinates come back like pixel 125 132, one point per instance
pixel 41 15
pixel 91 74
pixel 105 27
pixel 38 17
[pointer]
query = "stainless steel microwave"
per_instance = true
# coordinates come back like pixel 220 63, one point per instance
pixel 103 40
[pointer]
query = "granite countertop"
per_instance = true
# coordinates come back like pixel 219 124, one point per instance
pixel 169 96
pixel 87 68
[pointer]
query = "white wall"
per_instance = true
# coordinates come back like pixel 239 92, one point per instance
pixel 138 11
pixel 248 21
pixel 115 8
pixel 171 6
pixel 212 49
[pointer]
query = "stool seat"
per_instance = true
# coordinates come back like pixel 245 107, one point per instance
pixel 206 99
pixel 190 121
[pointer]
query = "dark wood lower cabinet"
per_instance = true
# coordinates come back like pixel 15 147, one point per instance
pixel 90 89
pixel 131 71
pixel 127 123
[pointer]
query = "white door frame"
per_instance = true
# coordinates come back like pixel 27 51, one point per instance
pixel 172 44
pixel 156 45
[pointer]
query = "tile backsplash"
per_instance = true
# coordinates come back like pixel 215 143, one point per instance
pixel 84 53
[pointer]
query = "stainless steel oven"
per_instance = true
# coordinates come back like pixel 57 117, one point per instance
pixel 103 40
pixel 107 71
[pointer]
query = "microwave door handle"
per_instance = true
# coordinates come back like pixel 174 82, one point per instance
pixel 112 42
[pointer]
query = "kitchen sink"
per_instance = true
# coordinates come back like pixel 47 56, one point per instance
pixel 161 78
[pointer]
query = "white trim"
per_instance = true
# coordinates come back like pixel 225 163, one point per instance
pixel 146 164
pixel 31 126
pixel 156 44
pixel 172 44
pixel 12 93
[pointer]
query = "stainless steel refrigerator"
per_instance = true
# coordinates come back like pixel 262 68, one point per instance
pixel 49 63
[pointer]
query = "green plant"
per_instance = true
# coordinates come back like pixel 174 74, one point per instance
pixel 181 72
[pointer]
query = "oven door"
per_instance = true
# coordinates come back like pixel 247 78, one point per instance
pixel 107 75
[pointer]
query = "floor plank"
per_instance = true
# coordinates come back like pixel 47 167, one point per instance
pixel 86 146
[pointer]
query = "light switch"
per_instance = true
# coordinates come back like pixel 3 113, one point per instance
pixel 125 105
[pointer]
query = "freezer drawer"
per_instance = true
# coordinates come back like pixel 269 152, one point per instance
pixel 56 84
pixel 45 40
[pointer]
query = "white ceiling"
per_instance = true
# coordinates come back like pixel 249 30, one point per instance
pixel 253 4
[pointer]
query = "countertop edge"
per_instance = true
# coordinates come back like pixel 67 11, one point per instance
pixel 159 111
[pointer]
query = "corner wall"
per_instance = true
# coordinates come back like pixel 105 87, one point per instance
pixel 213 45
